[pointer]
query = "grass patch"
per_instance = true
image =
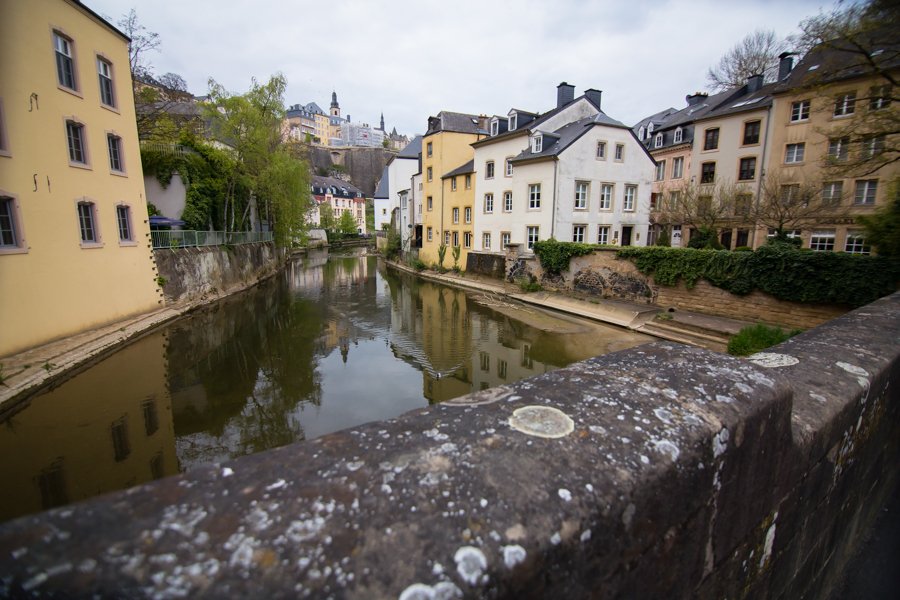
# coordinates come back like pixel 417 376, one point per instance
pixel 758 337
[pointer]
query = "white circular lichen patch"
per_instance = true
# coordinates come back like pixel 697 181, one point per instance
pixel 442 591
pixel 470 564
pixel 853 369
pixel 542 421
pixel 772 359
pixel 481 397
pixel 513 555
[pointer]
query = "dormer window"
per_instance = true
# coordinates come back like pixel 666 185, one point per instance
pixel 641 133
pixel 537 143
pixel 658 142
pixel 650 129
pixel 678 135
pixel 495 127
pixel 512 121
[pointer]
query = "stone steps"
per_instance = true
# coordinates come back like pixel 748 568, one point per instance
pixel 684 336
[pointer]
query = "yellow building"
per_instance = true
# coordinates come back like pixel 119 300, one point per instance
pixel 74 238
pixel 448 184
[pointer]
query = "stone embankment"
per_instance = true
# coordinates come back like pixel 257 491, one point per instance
pixel 659 471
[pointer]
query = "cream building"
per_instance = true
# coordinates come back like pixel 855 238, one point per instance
pixel 74 239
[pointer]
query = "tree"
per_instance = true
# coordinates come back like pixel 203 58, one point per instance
pixel 756 54
pixel 175 82
pixel 786 205
pixel 326 217
pixel 664 239
pixel 142 43
pixel 703 207
pixel 348 223
pixel 883 228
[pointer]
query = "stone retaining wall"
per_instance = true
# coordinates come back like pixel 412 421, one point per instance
pixel 601 274
pixel 660 471
pixel 491 264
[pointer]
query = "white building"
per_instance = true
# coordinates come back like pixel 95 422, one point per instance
pixel 573 174
pixel 397 176
pixel 361 134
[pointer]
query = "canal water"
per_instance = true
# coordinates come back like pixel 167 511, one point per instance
pixel 336 341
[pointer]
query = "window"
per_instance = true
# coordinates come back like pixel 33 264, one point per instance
pixel 711 139
pixel 790 193
pixel 468 182
pixel 509 168
pixel 534 195
pixel 65 62
pixel 879 97
pixel 429 174
pixel 531 236
pixel 839 148
pixel 114 143
pixel 121 445
pixel 12 239
pixel 578 234
pixel 845 104
pixel 865 191
pixel 537 144
pixel 489 170
pixel 488 203
pixel 384 212
pixel 501 369
pixel 678 167
pixel 455 239
pixel 87 224
pixel 485 362
pixel 856 243
pixel 630 194
pixel 123 219
pixel 504 239
pixel 601 150
pixel 873 146
pixel 641 133
pixel 742 204
pixel 708 172
pixel 679 135
pixel 747 169
pixel 660 170
pixel 468 214
pixel 751 132
pixel 495 127
pixel 654 201
pixel 76 142
pixel 800 111
pixel 658 140
pixel 429 149
pixel 456 215
pixel 486 240
pixel 429 234
pixel 620 152
pixel 581 195
pixel 446 238
pixel 467 239
pixel 107 91
pixel 453 184
pixel 674 200
pixel 603 234
pixel 794 153
pixel 832 193
pixel 430 203
pixel 822 240
pixel 513 118
pixel 606 195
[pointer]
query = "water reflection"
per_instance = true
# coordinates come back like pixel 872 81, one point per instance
pixel 336 342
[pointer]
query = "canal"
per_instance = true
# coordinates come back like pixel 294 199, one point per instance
pixel 337 340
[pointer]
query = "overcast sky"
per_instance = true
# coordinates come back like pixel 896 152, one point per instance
pixel 412 59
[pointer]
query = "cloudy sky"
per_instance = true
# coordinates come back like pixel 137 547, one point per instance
pixel 412 59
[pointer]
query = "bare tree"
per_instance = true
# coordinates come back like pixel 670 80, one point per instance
pixel 787 204
pixel 142 43
pixel 756 54
pixel 174 81
pixel 704 206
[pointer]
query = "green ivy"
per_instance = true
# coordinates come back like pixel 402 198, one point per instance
pixel 780 270
pixel 554 255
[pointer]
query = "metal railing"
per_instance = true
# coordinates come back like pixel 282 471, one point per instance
pixel 196 239
pixel 163 148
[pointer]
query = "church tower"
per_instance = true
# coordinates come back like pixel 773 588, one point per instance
pixel 382 122
pixel 335 107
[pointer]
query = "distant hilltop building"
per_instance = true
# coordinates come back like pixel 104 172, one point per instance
pixel 308 123
pixel 361 134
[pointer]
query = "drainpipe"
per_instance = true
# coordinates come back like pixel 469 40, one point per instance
pixel 762 173
pixel 553 212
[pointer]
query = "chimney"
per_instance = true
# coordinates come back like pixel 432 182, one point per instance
pixel 594 96
pixel 754 82
pixel 785 65
pixel 565 93
pixel 696 98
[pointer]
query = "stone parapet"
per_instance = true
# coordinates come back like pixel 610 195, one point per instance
pixel 660 471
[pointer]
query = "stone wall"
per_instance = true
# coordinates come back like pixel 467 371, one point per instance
pixel 364 164
pixel 660 471
pixel 601 274
pixel 192 273
pixel 491 264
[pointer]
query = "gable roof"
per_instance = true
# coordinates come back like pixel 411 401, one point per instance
pixel 412 149
pixel 383 187
pixel 465 169
pixel 454 122
pixel 339 187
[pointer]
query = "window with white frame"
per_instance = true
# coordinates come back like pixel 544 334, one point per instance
pixel 674 200
pixel 581 195
pixel 504 239
pixel 832 193
pixel 658 140
pixel 468 182
pixel 879 97
pixel 453 184
pixel 660 170
pixel 603 234
pixel 114 145
pixel 845 104
pixel 838 148
pixel 429 234
pixel 578 234
pixel 501 369
pixel 65 62
pixel 455 239
pixel 107 91
pixel 507 201
pixel 495 127
pixel 534 195
pixel 865 191
pixel 87 224
pixel 601 150
pixel 468 214
pixel 856 242
pixel 873 145
pixel 513 119
pixel 123 220
pixel 486 240
pixel 12 239
pixel 679 135
pixel 641 133
pixel 428 149
pixel 489 169
pixel 488 203
pixel 793 153
pixel 630 195
pixel 606 196
pixel 532 234
pixel 822 240
pixel 678 167
pixel 537 144
pixel 429 174
pixel 430 203
pixel 509 168
pixel 456 215
pixel 446 238
pixel 620 152
pixel 467 239
pixel 800 111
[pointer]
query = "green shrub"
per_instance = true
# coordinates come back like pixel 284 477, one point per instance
pixel 743 249
pixel 757 338
pixel 664 239
pixel 554 255
pixel 394 243
pixel 442 252
pixel 527 285
pixel 457 250
pixel 161 281
pixel 418 265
